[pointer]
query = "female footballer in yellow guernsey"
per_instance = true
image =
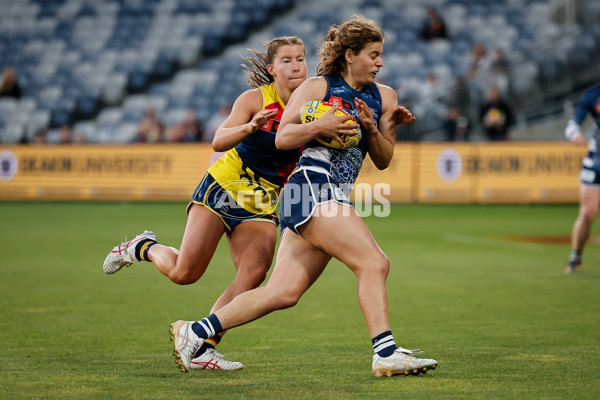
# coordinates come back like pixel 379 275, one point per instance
pixel 320 223
pixel 239 193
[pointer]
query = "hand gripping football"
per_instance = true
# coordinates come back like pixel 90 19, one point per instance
pixel 315 109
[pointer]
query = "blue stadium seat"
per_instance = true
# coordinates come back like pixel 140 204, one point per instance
pixel 100 52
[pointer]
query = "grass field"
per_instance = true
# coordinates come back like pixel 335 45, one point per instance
pixel 474 286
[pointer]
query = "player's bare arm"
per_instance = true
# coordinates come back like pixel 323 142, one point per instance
pixel 292 133
pixel 381 140
pixel 246 117
pixel 574 134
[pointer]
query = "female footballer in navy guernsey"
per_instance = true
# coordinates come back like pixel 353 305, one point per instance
pixel 318 221
pixel 239 193
pixel 589 177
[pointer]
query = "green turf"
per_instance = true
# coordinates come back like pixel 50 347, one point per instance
pixel 499 315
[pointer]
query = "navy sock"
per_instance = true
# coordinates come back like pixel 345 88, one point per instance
pixel 207 327
pixel 384 344
pixel 141 249
pixel 575 257
pixel 209 343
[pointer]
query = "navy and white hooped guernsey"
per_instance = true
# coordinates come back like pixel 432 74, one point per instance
pixel 325 174
pixel 590 104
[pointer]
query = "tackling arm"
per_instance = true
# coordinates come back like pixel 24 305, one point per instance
pixel 246 117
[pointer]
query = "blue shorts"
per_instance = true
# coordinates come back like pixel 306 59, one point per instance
pixel 211 195
pixel 590 171
pixel 306 189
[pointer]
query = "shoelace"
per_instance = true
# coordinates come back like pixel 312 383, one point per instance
pixel 123 245
pixel 409 352
pixel 215 352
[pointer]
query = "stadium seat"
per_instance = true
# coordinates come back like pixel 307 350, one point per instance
pixel 97 54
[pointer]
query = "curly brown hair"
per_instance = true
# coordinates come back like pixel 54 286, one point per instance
pixel 257 70
pixel 354 34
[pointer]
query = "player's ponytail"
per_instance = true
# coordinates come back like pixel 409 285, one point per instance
pixel 258 75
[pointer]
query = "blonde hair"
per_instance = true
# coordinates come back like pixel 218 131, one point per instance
pixel 354 34
pixel 257 70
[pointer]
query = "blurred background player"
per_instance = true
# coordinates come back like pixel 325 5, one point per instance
pixel 589 177
pixel 318 220
pixel 239 192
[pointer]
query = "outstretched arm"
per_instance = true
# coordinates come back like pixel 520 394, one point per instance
pixel 573 133
pixel 381 139
pixel 573 128
pixel 246 117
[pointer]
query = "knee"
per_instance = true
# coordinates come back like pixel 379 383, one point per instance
pixel 281 299
pixel 380 266
pixel 257 277
pixel 254 277
pixel 288 300
pixel 184 277
pixel 588 213
pixel 251 277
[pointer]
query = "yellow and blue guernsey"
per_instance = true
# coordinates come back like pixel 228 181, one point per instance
pixel 245 182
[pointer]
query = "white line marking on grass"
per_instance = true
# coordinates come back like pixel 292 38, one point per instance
pixel 489 242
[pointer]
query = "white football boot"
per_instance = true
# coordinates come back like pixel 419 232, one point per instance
pixel 123 255
pixel 211 359
pixel 186 343
pixel 402 362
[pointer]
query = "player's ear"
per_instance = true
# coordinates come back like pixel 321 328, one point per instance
pixel 349 56
pixel 271 70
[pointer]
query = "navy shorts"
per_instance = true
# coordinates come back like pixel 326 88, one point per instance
pixel 211 195
pixel 590 172
pixel 306 189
